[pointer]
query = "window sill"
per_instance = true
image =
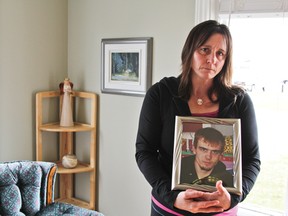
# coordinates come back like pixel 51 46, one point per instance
pixel 248 210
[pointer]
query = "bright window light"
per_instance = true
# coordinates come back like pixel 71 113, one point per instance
pixel 261 66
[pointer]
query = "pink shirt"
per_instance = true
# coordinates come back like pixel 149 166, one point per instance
pixel 210 114
pixel 231 212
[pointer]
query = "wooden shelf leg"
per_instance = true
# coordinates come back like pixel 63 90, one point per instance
pixel 66 180
pixel 66 186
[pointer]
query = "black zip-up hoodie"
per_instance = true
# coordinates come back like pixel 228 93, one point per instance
pixel 155 138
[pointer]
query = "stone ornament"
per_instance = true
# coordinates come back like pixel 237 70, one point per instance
pixel 69 161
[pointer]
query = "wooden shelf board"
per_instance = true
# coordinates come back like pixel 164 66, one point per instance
pixel 55 127
pixel 75 201
pixel 81 167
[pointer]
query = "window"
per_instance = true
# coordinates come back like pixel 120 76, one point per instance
pixel 260 64
pixel 260 37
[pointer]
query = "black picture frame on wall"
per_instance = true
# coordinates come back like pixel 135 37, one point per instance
pixel 126 65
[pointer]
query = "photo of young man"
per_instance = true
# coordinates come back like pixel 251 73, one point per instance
pixel 204 167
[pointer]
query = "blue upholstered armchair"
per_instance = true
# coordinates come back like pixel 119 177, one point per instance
pixel 27 188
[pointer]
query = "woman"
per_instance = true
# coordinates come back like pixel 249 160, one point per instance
pixel 203 89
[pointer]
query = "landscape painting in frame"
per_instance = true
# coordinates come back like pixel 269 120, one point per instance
pixel 207 150
pixel 126 65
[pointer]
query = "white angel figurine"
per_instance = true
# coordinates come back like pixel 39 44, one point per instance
pixel 66 119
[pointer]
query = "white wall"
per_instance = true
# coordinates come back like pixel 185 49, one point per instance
pixel 33 57
pixel 122 188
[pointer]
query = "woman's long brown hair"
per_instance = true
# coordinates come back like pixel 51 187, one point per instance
pixel 196 38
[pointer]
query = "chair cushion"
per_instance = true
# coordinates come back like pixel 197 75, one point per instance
pixel 58 208
pixel 20 188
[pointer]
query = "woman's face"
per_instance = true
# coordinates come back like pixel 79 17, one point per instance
pixel 208 59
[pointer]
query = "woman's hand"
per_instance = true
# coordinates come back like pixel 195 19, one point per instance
pixel 197 201
pixel 194 201
pixel 222 195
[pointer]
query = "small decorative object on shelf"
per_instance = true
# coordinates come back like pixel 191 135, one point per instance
pixel 69 161
pixel 66 119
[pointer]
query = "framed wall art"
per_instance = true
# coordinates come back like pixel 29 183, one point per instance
pixel 207 150
pixel 126 65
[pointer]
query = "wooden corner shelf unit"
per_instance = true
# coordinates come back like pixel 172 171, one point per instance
pixel 66 146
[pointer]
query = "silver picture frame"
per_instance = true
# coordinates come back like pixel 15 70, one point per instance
pixel 185 129
pixel 126 65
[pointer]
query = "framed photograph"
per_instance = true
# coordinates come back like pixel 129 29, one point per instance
pixel 126 65
pixel 207 150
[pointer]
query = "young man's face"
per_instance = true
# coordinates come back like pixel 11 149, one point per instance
pixel 207 154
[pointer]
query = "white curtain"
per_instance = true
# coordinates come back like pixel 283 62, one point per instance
pixel 206 10
pixel 252 6
pixel 210 9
